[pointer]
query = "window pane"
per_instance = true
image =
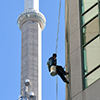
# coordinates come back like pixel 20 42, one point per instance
pixel 92 55
pixel 92 77
pixel 87 4
pixel 90 14
pixel 91 30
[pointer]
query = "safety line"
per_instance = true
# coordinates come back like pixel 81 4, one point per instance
pixel 57 47
pixel 56 87
pixel 58 26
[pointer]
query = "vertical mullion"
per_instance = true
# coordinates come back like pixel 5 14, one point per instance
pixel 99 14
pixel 82 42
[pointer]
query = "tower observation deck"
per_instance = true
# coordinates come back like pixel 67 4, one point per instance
pixel 31 22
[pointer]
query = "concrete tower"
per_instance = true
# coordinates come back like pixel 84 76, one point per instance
pixel 31 22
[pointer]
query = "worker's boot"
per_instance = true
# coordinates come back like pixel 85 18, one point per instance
pixel 66 81
pixel 66 73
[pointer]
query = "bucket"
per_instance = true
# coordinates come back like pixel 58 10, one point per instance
pixel 53 71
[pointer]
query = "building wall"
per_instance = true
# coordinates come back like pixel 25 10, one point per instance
pixel 74 91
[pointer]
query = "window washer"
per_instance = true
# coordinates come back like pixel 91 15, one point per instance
pixel 60 71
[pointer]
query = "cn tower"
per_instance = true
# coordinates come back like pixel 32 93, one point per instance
pixel 31 22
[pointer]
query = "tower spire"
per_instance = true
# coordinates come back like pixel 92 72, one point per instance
pixel 31 22
pixel 31 5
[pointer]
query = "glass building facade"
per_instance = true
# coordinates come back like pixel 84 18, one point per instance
pixel 90 33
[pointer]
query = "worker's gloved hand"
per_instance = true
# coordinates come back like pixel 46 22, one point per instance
pixel 48 63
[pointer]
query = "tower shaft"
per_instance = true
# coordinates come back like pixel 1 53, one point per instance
pixel 31 57
pixel 31 22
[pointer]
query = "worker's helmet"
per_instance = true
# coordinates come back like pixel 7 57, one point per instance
pixel 54 55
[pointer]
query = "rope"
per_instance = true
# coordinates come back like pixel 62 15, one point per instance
pixel 57 47
pixel 58 26
pixel 56 87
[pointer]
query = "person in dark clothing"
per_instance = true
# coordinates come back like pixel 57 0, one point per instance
pixel 60 71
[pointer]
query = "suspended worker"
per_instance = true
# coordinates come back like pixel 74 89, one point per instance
pixel 60 71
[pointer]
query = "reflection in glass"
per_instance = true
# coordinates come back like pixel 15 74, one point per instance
pixel 92 77
pixel 91 40
pixel 91 30
pixel 92 55
pixel 88 3
pixel 90 14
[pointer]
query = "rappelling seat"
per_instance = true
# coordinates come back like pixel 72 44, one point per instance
pixel 53 70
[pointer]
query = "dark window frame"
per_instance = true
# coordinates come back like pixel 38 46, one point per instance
pixel 82 40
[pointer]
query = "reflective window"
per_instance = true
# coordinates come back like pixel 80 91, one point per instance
pixel 92 54
pixel 87 4
pixel 90 32
pixel 90 14
pixel 92 77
